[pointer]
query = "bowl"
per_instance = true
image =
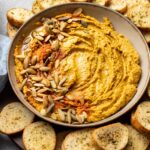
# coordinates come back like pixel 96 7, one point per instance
pixel 120 23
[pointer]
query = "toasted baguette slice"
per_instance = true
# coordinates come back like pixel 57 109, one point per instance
pixel 39 136
pixel 59 139
pixel 139 14
pixel 147 36
pixel 140 119
pixel 130 3
pixel 102 2
pixel 111 137
pixel 137 141
pixel 120 6
pixel 14 117
pixel 80 140
pixel 44 4
pixel 35 7
pixel 17 16
pixel 11 30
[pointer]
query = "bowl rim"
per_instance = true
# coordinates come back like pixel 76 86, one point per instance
pixel 113 117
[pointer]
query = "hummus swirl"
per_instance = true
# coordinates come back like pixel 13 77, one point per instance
pixel 101 68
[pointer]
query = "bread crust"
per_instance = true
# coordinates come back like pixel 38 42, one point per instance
pixel 11 30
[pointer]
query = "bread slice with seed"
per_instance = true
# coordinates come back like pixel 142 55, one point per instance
pixel 111 137
pixel 147 36
pixel 130 3
pixel 139 14
pixel 120 6
pixel 102 2
pixel 35 7
pixel 18 16
pixel 79 140
pixel 140 119
pixel 137 141
pixel 14 117
pixel 39 136
pixel 44 4
pixel 11 30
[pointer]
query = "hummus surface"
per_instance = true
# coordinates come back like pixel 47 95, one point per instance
pixel 101 67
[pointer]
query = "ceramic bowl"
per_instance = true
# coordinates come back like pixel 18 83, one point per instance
pixel 120 23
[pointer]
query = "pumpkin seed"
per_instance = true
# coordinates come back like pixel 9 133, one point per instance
pixel 42 90
pixel 47 61
pixel 44 69
pixel 21 57
pixel 60 37
pixel 69 116
pixel 53 116
pixel 26 62
pixel 39 85
pixel 23 72
pixel 40 95
pixel 39 99
pixel 61 115
pixel 57 62
pixel 49 77
pixel 59 98
pixel 56 31
pixel 73 117
pixel 84 23
pixel 65 18
pixel 33 91
pixel 35 67
pixel 37 36
pixel 73 20
pixel 73 111
pixel 62 81
pixel 34 60
pixel 64 34
pixel 50 99
pixel 43 112
pixel 49 109
pixel 80 118
pixel 62 25
pixel 23 83
pixel 77 12
pixel 55 45
pixel 27 40
pixel 24 47
pixel 45 101
pixel 39 42
pixel 30 71
pixel 84 114
pixel 53 84
pixel 46 82
pixel 47 38
pixel 36 78
pixel 56 77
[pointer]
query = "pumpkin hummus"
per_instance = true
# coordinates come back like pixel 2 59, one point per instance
pixel 98 68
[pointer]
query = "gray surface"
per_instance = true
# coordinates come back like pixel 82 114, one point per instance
pixel 5 142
